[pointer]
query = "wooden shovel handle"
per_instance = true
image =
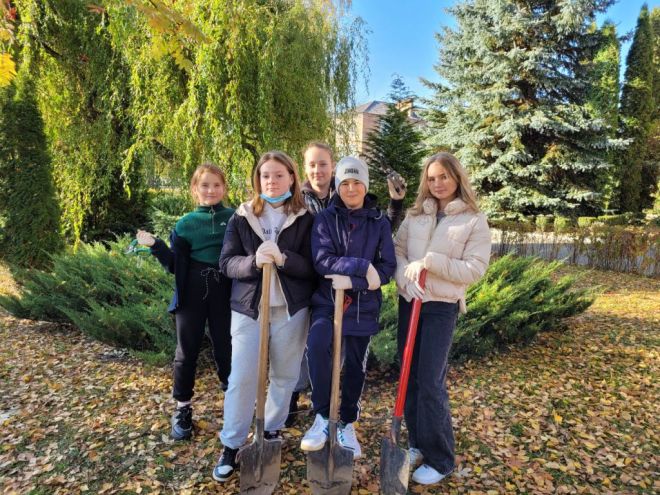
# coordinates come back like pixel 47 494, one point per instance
pixel 264 330
pixel 336 354
pixel 408 351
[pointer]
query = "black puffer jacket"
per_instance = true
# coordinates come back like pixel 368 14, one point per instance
pixel 237 261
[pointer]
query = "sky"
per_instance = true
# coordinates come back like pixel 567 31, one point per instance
pixel 402 40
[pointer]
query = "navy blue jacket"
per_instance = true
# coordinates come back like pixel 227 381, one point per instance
pixel 237 261
pixel 345 242
pixel 176 260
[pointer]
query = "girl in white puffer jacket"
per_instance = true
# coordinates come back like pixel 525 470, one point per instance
pixel 444 233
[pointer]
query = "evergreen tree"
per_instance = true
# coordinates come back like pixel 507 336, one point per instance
pixel 514 104
pixel 396 144
pixel 28 203
pixel 651 171
pixel 603 98
pixel 637 107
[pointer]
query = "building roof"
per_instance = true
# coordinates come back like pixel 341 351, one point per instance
pixel 377 107
pixel 374 106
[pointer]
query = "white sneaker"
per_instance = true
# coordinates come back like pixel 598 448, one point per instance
pixel 426 475
pixel 415 456
pixel 347 438
pixel 316 436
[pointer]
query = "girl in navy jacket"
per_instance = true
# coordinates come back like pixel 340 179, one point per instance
pixel 352 249
pixel 274 227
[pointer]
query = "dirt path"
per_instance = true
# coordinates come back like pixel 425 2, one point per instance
pixel 574 413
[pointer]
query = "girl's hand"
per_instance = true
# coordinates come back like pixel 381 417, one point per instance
pixel 396 186
pixel 260 259
pixel 373 278
pixel 413 270
pixel 414 290
pixel 145 238
pixel 271 250
pixel 340 281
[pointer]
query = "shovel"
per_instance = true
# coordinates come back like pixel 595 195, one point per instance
pixel 330 470
pixel 394 460
pixel 260 461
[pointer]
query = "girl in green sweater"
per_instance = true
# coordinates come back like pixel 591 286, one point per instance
pixel 201 292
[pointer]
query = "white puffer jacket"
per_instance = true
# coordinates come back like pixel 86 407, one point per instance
pixel 455 250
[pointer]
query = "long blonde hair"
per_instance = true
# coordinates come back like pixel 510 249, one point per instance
pixel 456 171
pixel 292 205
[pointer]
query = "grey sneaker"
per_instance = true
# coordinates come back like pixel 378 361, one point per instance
pixel 182 423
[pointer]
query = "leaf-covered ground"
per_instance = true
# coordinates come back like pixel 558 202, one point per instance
pixel 576 412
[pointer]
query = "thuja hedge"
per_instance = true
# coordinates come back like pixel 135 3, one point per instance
pixel 116 298
pixel 511 304
pixel 122 299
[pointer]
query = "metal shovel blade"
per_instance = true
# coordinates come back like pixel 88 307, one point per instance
pixel 394 468
pixel 260 466
pixel 330 470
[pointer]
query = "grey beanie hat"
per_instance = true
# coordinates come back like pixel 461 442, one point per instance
pixel 351 167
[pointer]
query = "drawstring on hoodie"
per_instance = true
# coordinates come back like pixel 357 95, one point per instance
pixel 205 273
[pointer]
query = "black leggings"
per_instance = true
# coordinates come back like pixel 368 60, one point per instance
pixel 206 298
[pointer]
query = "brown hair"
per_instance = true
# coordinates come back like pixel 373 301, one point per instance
pixel 322 145
pixel 206 167
pixel 292 205
pixel 456 171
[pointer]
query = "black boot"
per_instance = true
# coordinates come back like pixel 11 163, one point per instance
pixel 293 410
pixel 182 423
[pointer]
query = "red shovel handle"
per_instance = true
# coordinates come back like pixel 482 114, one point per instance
pixel 408 351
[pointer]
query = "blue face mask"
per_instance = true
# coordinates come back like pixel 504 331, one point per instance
pixel 277 199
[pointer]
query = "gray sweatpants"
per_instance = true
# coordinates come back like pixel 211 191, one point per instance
pixel 287 343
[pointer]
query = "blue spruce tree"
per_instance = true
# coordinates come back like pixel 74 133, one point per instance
pixel 513 104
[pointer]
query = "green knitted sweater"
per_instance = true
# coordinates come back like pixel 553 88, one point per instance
pixel 204 229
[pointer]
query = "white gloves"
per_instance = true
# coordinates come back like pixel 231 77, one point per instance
pixel 268 252
pixel 414 290
pixel 145 238
pixel 340 281
pixel 373 278
pixel 412 273
pixel 344 281
pixel 413 270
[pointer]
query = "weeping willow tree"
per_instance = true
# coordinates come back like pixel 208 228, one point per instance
pixel 133 91
pixel 258 75
pixel 82 87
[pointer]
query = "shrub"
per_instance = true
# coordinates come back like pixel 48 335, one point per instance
pixel 623 248
pixel 545 222
pixel 563 224
pixel 613 219
pixel 584 222
pixel 384 344
pixel 514 301
pixel 115 298
pixel 29 212
pixel 165 208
